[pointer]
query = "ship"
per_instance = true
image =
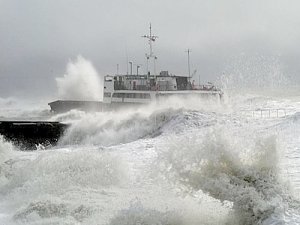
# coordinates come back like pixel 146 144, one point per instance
pixel 119 91
pixel 131 90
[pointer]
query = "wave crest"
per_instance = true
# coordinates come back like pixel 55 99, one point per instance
pixel 113 128
pixel 246 177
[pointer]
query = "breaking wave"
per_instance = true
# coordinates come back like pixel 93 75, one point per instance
pixel 227 170
pixel 81 82
pixel 114 128
pixel 6 153
pixel 6 149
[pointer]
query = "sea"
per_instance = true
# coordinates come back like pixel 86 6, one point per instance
pixel 179 162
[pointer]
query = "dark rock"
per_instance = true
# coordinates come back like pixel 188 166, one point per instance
pixel 29 134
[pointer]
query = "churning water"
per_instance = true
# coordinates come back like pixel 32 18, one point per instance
pixel 172 164
pixel 190 162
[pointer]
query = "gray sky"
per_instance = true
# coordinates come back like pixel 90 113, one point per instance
pixel 38 37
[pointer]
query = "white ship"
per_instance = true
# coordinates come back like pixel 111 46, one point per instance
pixel 133 89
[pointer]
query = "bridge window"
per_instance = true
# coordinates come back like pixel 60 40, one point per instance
pixel 132 95
pixel 118 95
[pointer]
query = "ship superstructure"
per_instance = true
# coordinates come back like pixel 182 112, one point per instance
pixel 149 88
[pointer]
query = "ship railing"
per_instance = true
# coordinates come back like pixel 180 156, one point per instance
pixel 266 112
pixel 208 87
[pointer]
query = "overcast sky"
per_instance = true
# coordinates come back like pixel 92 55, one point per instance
pixel 39 37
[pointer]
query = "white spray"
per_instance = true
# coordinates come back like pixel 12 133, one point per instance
pixel 80 82
pixel 228 172
pixel 254 73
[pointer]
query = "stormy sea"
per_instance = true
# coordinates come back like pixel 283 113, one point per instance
pixel 180 162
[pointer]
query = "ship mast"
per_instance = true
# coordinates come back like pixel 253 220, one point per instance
pixel 151 38
pixel 189 67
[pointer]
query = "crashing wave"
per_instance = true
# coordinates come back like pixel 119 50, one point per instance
pixel 108 129
pixel 249 179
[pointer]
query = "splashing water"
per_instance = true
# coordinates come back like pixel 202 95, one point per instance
pixel 108 129
pixel 88 184
pixel 130 124
pixel 6 152
pixel 81 82
pixel 188 162
pixel 228 171
pixel 255 73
